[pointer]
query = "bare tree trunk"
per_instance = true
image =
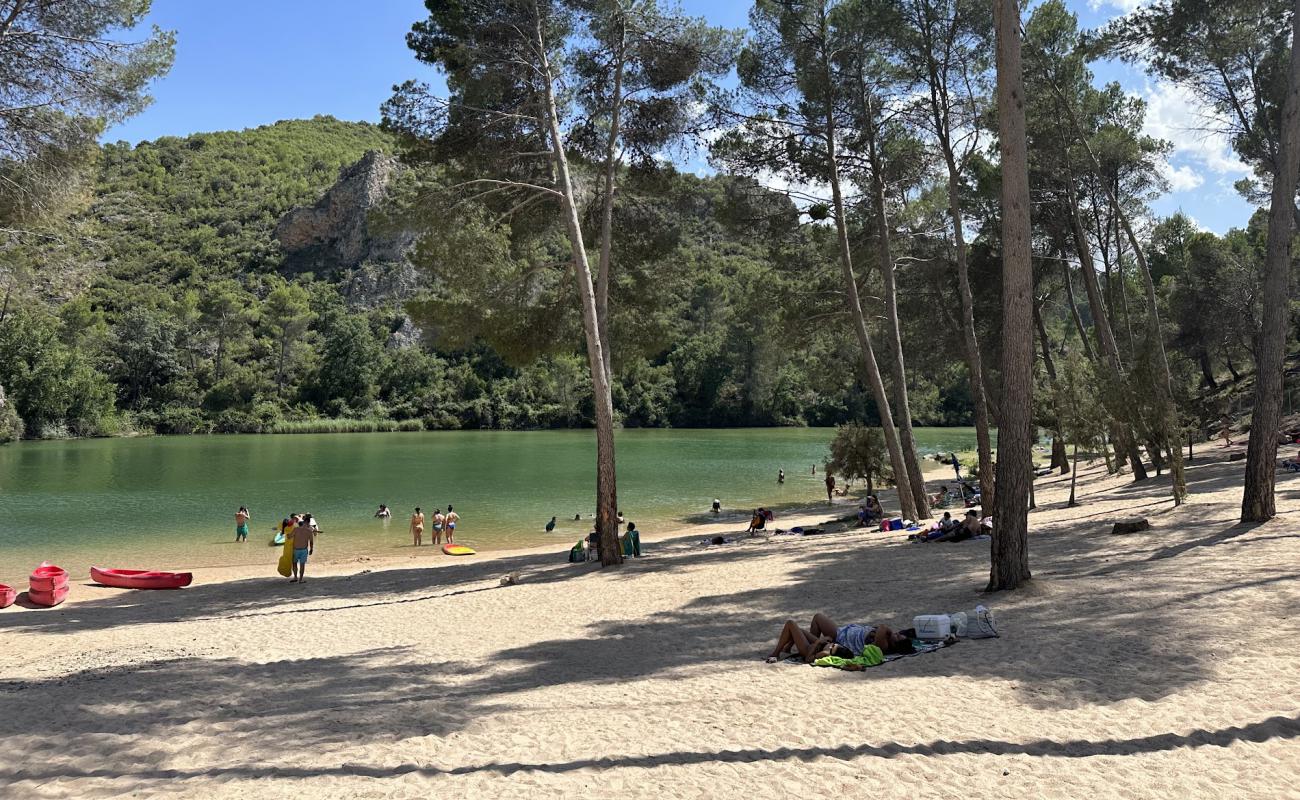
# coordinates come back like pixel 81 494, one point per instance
pixel 1074 476
pixel 897 461
pixel 915 477
pixel 607 205
pixel 974 361
pixel 1059 459
pixel 1123 436
pixel 606 495
pixel 1257 501
pixel 1068 279
pixel 1010 546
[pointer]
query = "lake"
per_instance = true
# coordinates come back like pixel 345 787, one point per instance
pixel 169 502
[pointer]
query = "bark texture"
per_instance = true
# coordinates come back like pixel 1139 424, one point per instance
pixel 1257 501
pixel 1010 546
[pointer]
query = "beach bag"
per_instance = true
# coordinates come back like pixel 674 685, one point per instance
pixel 980 624
pixel 576 554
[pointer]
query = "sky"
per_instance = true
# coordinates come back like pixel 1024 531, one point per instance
pixel 244 63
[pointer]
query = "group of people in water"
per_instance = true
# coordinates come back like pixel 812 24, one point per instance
pixel 441 522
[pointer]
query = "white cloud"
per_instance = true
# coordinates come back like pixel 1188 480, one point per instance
pixel 1181 179
pixel 1123 6
pixel 1175 114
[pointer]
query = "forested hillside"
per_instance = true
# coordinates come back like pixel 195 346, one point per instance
pixel 168 305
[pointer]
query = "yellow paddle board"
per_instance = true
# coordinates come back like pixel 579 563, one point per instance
pixel 457 550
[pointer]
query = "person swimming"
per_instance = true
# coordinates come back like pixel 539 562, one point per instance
pixel 550 526
pixel 383 512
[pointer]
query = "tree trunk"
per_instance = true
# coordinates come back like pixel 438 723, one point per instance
pixel 606 495
pixel 974 361
pixel 1059 459
pixel 1074 477
pixel 1257 501
pixel 1207 370
pixel 1163 389
pixel 915 477
pixel 1010 546
pixel 607 205
pixel 1074 307
pixel 897 461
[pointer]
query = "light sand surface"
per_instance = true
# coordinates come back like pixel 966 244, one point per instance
pixel 1154 665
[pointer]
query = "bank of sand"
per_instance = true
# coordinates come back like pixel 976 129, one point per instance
pixel 1163 664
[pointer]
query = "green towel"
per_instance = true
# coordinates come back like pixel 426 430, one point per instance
pixel 871 657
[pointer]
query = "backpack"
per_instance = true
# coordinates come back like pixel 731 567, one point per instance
pixel 576 553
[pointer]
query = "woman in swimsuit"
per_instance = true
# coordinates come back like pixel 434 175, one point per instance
pixel 241 524
pixel 438 520
pixel 825 638
pixel 452 519
pixel 417 527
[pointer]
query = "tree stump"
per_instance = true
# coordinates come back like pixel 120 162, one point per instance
pixel 1131 526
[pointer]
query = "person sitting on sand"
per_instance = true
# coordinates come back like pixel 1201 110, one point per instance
pixel 417 527
pixel 383 512
pixel 550 526
pixel 1291 464
pixel 825 638
pixel 757 522
pixel 241 524
pixel 874 509
pixel 438 522
pixel 967 528
pixel 862 516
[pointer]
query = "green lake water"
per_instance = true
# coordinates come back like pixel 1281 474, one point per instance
pixel 169 502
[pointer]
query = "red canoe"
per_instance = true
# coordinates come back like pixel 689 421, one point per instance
pixel 48 578
pixel 7 596
pixel 50 599
pixel 140 578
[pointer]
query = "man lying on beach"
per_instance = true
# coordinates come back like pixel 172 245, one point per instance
pixel 825 638
pixel 960 532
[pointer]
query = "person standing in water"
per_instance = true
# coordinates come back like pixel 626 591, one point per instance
pixel 304 544
pixel 780 476
pixel 438 521
pixel 452 519
pixel 717 505
pixel 241 524
pixel 417 527
pixel 550 526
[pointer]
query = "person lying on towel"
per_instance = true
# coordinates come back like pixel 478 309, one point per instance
pixel 825 638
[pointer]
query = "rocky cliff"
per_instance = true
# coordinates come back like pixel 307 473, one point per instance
pixel 334 237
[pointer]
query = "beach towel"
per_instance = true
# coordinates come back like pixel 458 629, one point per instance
pixel 855 664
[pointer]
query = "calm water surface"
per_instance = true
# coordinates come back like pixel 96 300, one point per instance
pixel 169 502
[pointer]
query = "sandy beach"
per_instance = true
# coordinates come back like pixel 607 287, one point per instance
pixel 1161 664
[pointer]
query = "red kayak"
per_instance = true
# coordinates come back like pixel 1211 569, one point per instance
pixel 48 599
pixel 7 596
pixel 140 578
pixel 48 578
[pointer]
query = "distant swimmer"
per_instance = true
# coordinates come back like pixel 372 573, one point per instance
pixel 383 512
pixel 550 526
pixel 577 518
pixel 780 476
pixel 620 518
pixel 241 524
pixel 717 505
pixel 814 469
pixel 452 519
pixel 417 527
pixel 438 522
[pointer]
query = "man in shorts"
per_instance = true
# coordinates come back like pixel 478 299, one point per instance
pixel 304 543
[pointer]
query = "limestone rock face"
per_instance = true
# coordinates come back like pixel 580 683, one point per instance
pixel 334 235
pixel 335 239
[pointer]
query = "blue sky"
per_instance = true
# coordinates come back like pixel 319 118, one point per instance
pixel 244 63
